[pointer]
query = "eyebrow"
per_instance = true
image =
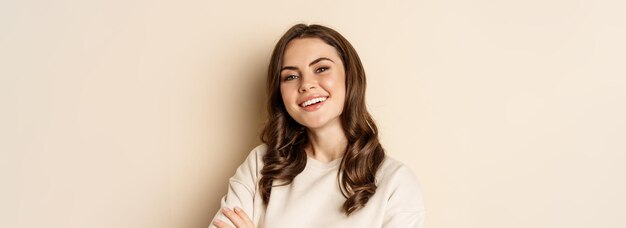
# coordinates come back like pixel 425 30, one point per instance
pixel 313 62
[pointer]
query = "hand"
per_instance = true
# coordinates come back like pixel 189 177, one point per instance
pixel 238 217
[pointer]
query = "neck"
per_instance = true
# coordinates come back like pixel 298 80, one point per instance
pixel 327 143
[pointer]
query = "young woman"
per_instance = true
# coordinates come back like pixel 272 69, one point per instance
pixel 321 163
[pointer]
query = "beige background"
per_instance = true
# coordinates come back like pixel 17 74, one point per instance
pixel 134 113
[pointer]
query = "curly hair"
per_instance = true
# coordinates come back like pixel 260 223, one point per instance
pixel 286 138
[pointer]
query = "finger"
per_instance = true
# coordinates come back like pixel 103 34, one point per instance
pixel 242 214
pixel 219 224
pixel 234 218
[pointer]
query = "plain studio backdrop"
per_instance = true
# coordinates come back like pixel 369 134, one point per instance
pixel 135 113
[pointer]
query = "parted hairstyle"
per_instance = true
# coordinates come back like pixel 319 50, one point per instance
pixel 286 138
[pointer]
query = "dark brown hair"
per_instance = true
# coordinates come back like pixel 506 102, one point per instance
pixel 286 138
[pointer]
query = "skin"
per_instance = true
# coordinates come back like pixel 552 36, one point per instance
pixel 237 216
pixel 310 67
pixel 313 67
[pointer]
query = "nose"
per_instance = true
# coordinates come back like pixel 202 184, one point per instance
pixel 308 82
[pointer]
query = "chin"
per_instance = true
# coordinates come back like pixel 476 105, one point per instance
pixel 315 120
pixel 317 123
pixel 313 124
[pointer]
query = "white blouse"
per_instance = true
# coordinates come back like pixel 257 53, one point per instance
pixel 314 198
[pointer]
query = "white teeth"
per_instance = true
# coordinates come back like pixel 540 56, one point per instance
pixel 313 101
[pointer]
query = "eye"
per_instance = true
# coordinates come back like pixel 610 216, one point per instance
pixel 322 69
pixel 290 77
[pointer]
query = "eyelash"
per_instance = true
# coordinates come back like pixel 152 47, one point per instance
pixel 289 77
pixel 319 70
pixel 324 69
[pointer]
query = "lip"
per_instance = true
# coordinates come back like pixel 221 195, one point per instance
pixel 300 102
pixel 314 107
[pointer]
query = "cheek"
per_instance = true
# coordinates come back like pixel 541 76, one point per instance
pixel 284 92
pixel 334 84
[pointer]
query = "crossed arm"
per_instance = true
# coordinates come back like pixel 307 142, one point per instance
pixel 237 216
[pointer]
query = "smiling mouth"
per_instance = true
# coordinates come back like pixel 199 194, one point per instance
pixel 313 101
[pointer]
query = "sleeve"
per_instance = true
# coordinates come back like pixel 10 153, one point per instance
pixel 405 207
pixel 241 188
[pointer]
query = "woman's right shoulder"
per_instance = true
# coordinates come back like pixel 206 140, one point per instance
pixel 258 152
pixel 261 148
pixel 249 172
pixel 254 161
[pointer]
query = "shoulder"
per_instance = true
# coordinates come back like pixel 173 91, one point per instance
pixel 259 151
pixel 249 172
pixel 254 160
pixel 394 170
pixel 400 185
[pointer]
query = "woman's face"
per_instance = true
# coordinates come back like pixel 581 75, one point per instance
pixel 312 83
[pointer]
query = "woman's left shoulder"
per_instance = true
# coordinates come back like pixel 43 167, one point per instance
pixel 401 194
pixel 399 185
pixel 394 171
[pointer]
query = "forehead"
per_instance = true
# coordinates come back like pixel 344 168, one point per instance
pixel 302 51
